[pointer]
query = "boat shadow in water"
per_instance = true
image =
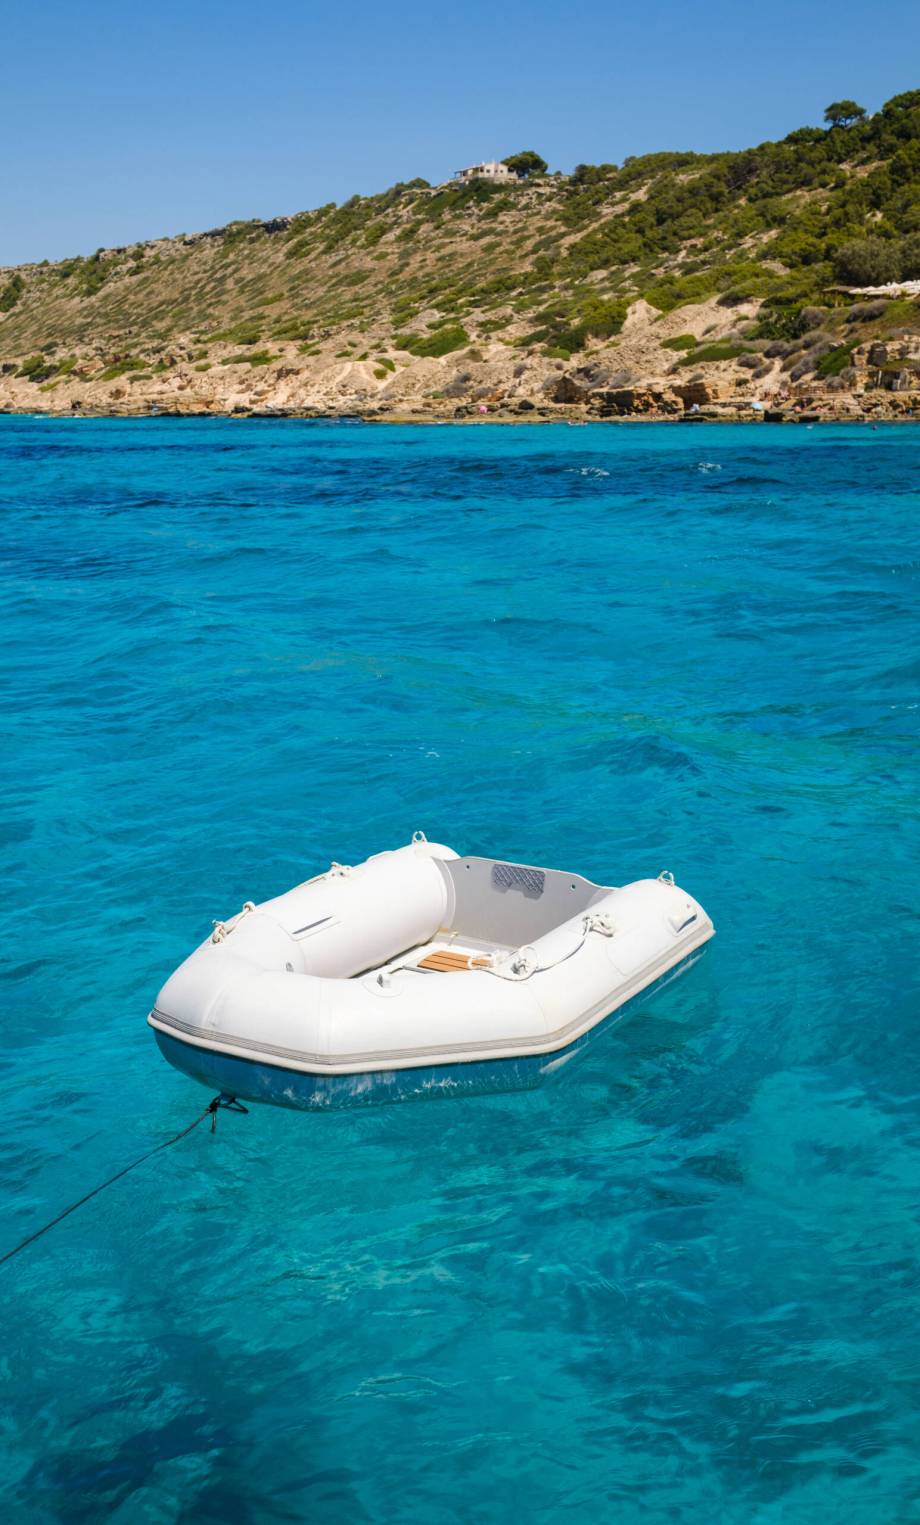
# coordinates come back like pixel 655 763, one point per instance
pixel 275 1086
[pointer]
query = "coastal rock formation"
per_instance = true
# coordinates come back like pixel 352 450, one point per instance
pixel 565 389
pixel 878 378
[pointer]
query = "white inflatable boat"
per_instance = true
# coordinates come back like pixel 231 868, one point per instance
pixel 415 972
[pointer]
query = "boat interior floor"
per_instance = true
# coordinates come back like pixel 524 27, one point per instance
pixel 445 955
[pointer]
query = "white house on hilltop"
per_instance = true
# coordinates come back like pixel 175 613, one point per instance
pixel 490 169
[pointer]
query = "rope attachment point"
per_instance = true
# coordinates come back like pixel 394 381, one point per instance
pixel 221 928
pixel 524 963
pixel 223 1103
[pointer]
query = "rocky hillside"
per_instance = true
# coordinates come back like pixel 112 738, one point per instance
pixel 672 281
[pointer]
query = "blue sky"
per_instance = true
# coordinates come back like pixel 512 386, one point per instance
pixel 122 121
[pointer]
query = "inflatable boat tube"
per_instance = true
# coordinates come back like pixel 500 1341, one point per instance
pixel 414 973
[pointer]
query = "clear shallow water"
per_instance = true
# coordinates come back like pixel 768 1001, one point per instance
pixel 678 1284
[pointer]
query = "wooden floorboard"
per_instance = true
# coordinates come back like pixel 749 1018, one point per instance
pixel 446 961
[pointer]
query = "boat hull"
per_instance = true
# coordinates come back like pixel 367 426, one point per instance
pixel 255 1081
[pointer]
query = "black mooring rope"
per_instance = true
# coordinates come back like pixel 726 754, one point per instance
pixel 228 1103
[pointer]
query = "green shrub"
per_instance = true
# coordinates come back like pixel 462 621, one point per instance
pixel 600 318
pixel 867 262
pixel 237 233
pixel 567 326
pixel 677 291
pixel 30 366
pixel 204 366
pixel 714 352
pixel 836 360
pixel 680 342
pixel 93 274
pixel 458 198
pixel 445 339
pixel 293 328
pixel 910 257
pixel 11 292
pixel 122 368
pixel 252 357
pixel 246 332
pixel 37 368
pixel 737 280
pixel 592 174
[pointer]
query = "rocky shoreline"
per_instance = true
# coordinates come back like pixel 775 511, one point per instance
pixel 637 375
pixel 574 418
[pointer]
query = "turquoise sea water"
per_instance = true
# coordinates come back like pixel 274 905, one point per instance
pixel 678 1284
